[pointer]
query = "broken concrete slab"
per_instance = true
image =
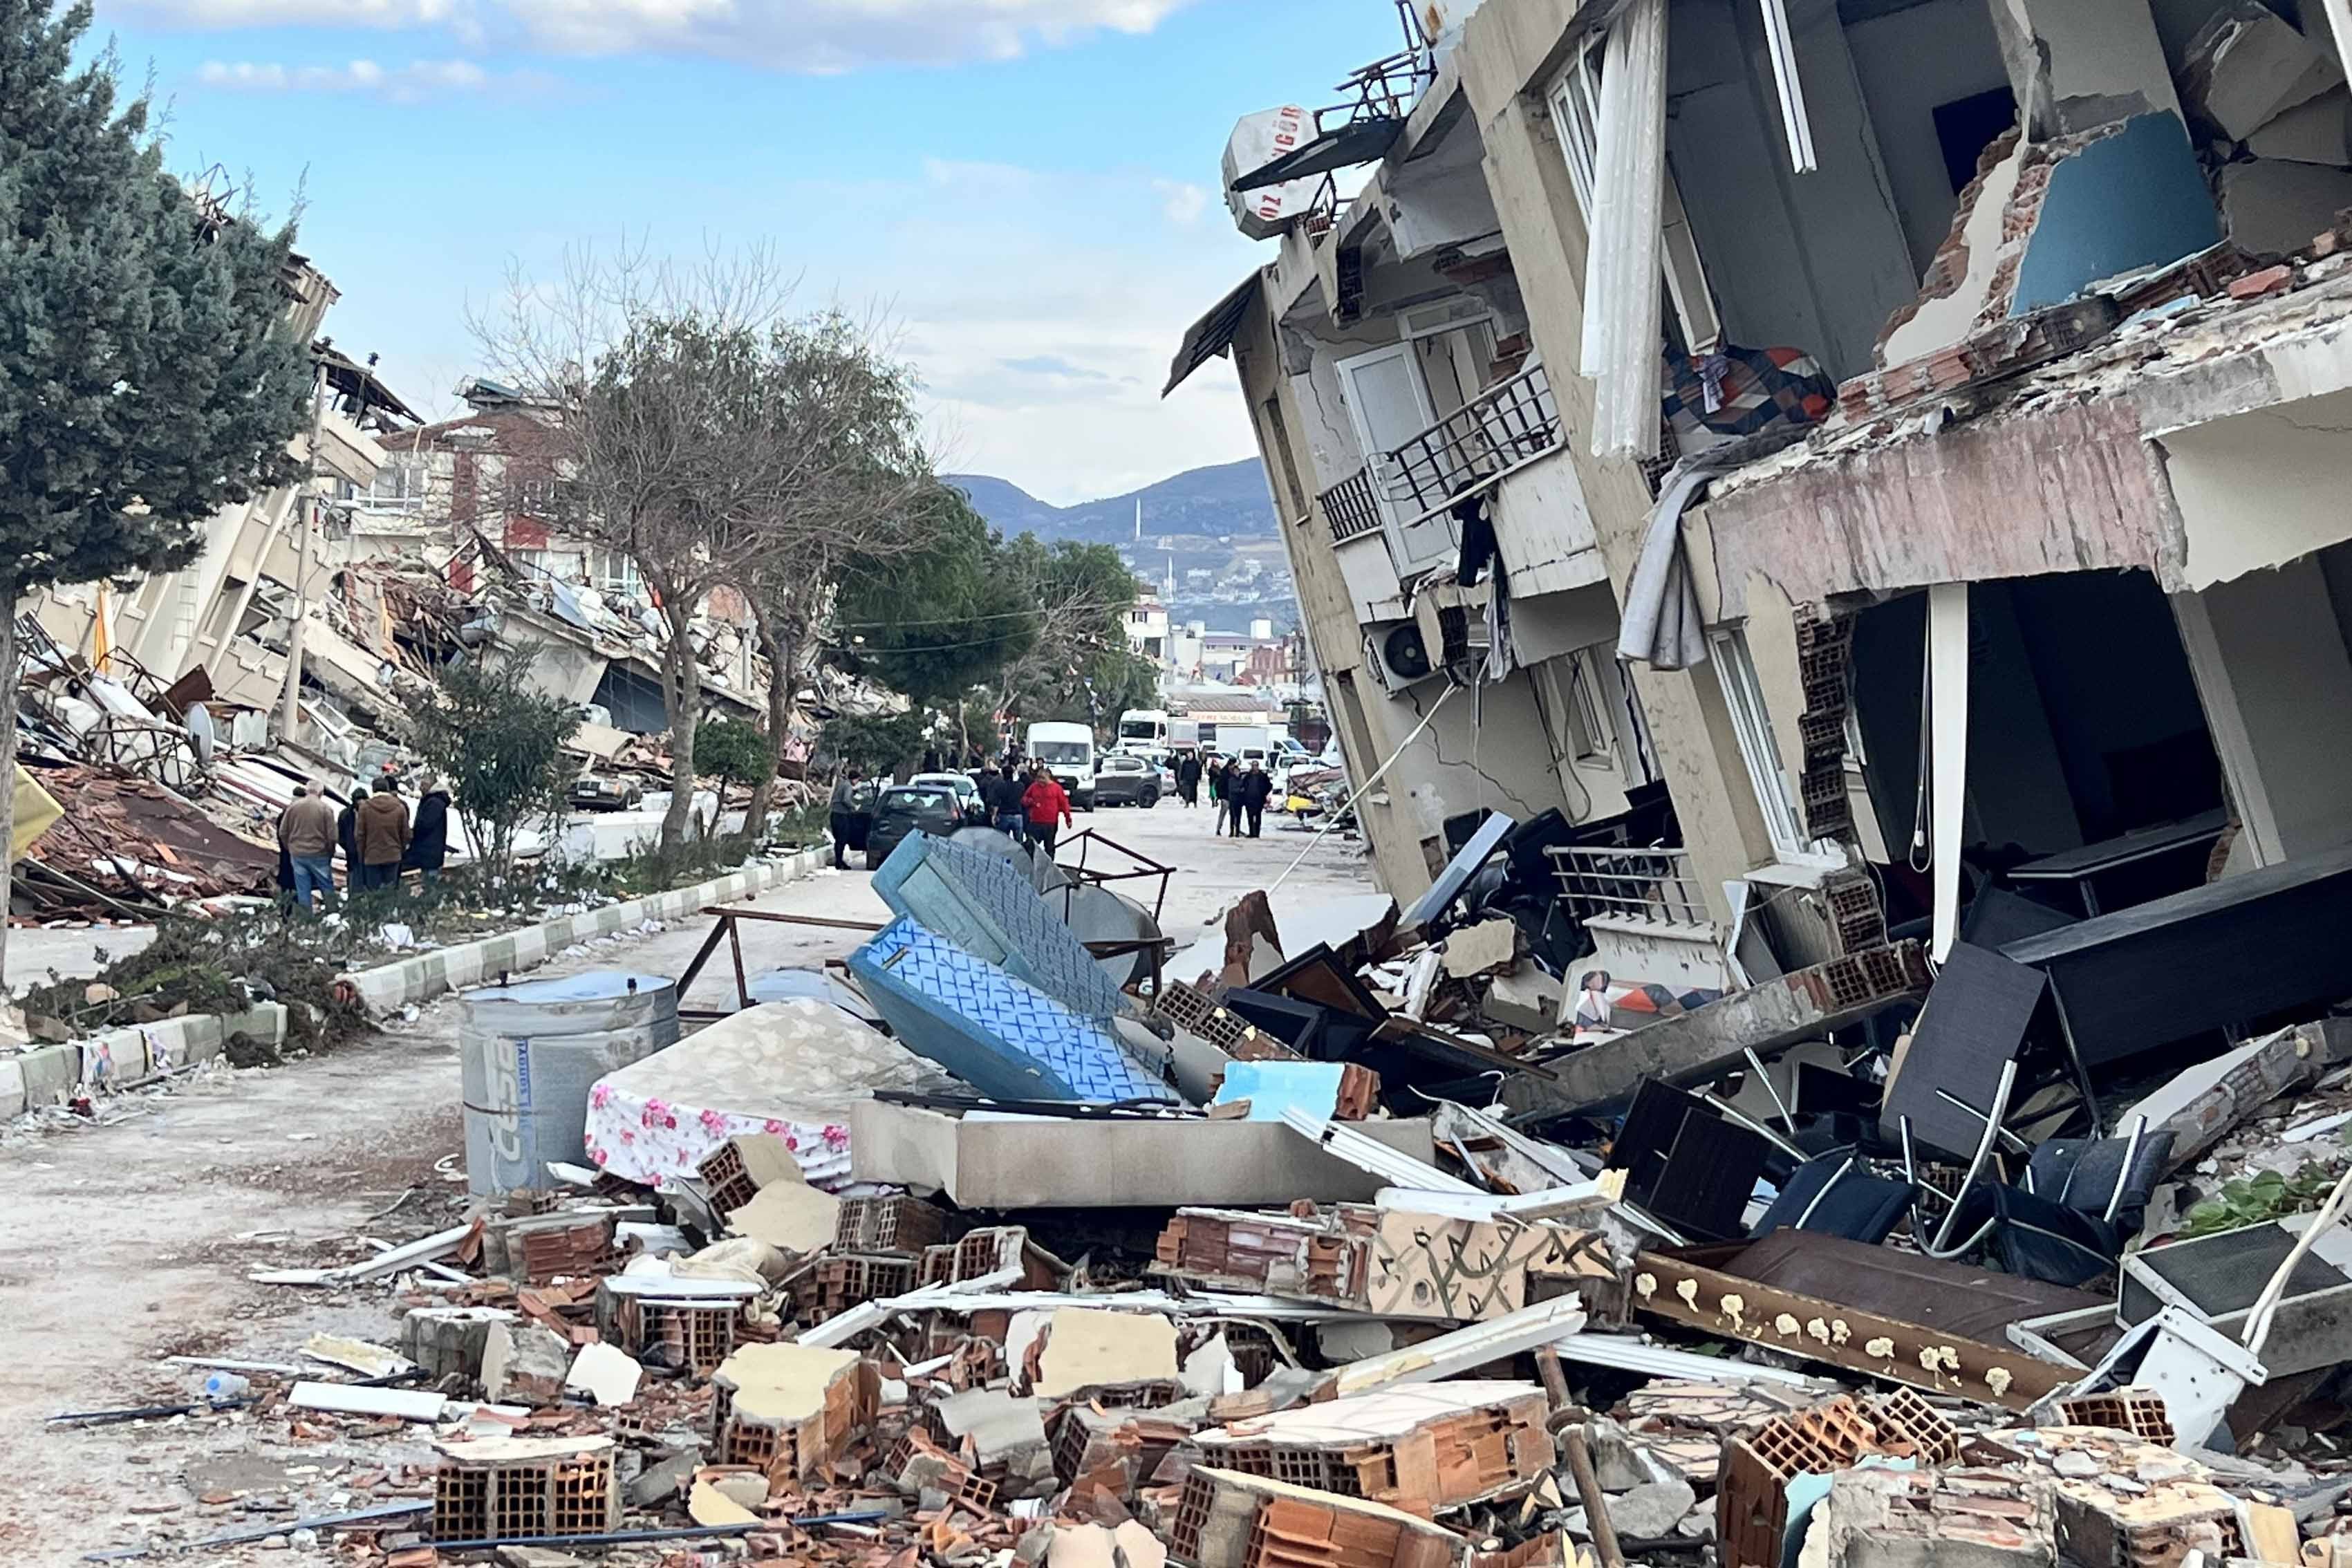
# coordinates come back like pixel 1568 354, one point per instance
pixel 2319 131
pixel 1651 1510
pixel 1523 998
pixel 1010 1163
pixel 2274 207
pixel 605 1373
pixel 1487 948
pixel 2247 64
pixel 1693 1047
pixel 2200 1104
pixel 788 1408
pixel 789 1216
pixel 356 1355
pixel 714 1509
pixel 1089 1349
pixel 524 1363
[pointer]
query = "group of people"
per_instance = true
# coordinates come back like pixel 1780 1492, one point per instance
pixel 1020 797
pixel 1027 801
pixel 375 833
pixel 1239 790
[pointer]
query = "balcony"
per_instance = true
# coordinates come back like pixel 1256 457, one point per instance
pixel 1642 887
pixel 1501 430
pixel 1352 508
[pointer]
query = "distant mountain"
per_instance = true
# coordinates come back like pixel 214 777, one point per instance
pixel 1227 499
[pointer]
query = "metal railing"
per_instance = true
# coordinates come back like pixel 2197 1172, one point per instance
pixel 1351 508
pixel 1508 425
pixel 1654 887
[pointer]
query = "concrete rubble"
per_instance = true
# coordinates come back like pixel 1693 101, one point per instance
pixel 1476 1307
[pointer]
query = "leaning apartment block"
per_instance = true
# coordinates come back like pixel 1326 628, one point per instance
pixel 788 1408
pixel 516 1487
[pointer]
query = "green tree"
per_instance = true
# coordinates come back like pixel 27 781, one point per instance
pixel 147 375
pixel 883 506
pixel 877 744
pixel 733 751
pixel 936 622
pixel 498 742
pixel 1080 667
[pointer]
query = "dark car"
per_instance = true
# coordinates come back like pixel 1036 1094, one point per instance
pixel 1126 781
pixel 907 808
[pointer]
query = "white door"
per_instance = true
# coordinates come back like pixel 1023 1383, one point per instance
pixel 1389 405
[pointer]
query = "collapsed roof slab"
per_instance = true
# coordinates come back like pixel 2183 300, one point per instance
pixel 2060 469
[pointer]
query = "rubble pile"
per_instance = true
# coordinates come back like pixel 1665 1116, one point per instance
pixel 1313 1257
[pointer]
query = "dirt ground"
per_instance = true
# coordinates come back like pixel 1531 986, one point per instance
pixel 123 1244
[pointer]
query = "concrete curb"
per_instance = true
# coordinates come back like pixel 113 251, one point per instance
pixel 428 974
pixel 50 1074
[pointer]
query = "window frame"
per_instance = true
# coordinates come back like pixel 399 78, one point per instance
pixel 1777 799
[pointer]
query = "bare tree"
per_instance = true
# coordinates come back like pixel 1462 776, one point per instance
pixel 697 428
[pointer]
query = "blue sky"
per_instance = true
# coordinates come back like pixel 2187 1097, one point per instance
pixel 1026 188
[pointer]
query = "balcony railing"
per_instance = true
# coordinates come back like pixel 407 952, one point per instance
pixel 1653 887
pixel 1351 508
pixel 1505 427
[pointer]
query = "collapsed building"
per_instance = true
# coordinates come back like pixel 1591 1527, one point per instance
pixel 1852 456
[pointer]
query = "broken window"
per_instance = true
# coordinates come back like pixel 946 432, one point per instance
pixel 400 484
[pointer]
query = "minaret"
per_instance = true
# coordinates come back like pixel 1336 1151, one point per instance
pixel 1139 519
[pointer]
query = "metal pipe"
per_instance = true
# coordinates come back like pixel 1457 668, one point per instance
pixel 1984 1148
pixel 2131 1153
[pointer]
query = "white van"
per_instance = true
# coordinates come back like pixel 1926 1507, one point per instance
pixel 1068 752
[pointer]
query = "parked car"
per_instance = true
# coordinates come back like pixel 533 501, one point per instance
pixel 966 790
pixel 911 808
pixel 1126 781
pixel 599 791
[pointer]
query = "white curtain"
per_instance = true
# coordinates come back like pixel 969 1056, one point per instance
pixel 1622 279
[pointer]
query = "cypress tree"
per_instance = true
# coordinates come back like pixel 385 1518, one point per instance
pixel 148 375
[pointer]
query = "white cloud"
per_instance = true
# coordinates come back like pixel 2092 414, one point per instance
pixel 416 80
pixel 821 36
pixel 232 14
pixel 1181 200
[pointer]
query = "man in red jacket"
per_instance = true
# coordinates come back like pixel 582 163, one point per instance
pixel 1048 805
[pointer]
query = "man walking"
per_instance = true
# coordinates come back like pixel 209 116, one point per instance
pixel 842 813
pixel 1187 779
pixel 1003 797
pixel 1251 792
pixel 1048 807
pixel 307 829
pixel 381 828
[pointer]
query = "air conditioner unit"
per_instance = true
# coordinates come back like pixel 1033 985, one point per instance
pixel 1443 316
pixel 1397 655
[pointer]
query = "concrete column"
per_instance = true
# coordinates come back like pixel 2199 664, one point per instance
pixel 2076 64
pixel 2275 680
pixel 1503 60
